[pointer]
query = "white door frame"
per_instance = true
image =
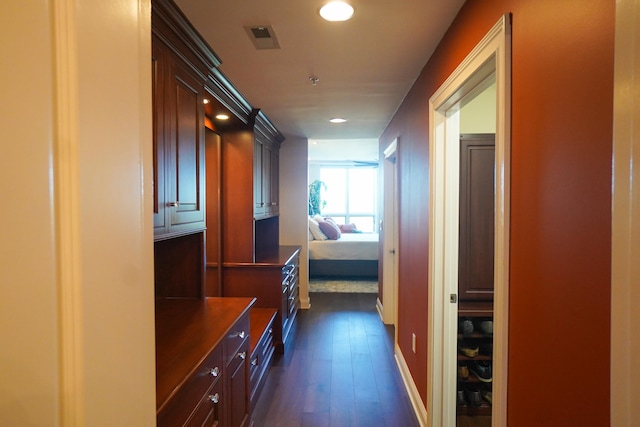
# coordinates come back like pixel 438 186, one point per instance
pixel 388 306
pixel 492 54
pixel 625 250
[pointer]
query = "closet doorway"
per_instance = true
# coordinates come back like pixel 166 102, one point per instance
pixel 489 62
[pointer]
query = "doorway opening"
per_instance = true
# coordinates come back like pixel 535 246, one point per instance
pixel 490 60
pixel 388 295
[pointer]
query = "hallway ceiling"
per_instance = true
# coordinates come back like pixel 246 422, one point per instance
pixel 364 66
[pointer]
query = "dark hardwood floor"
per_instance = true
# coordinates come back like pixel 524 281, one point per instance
pixel 337 371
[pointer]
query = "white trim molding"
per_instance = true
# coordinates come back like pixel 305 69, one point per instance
pixel 492 56
pixel 67 215
pixel 625 249
pixel 412 390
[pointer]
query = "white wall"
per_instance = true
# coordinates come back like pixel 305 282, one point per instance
pixel 77 306
pixel 479 115
pixel 293 205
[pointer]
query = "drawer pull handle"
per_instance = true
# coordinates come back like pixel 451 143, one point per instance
pixel 242 355
pixel 240 335
pixel 254 362
pixel 215 398
pixel 214 372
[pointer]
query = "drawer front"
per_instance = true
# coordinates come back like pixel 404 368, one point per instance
pixel 236 403
pixel 293 301
pixel 209 412
pixel 183 403
pixel 261 354
pixel 236 337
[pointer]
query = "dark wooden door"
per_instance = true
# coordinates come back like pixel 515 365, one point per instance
pixel 477 195
pixel 158 79
pixel 258 153
pixel 185 149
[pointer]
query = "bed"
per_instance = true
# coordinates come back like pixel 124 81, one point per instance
pixel 351 255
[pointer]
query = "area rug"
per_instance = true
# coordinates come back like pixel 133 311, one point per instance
pixel 344 286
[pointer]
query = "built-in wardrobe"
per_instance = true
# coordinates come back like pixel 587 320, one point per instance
pixel 226 291
pixel 475 279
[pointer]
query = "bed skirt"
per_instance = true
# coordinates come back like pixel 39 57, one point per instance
pixel 343 268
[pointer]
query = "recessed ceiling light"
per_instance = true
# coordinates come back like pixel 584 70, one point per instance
pixel 338 120
pixel 222 117
pixel 336 11
pixel 205 101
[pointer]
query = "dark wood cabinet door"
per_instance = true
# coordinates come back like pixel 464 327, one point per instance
pixel 476 239
pixel 158 80
pixel 185 149
pixel 258 178
pixel 270 175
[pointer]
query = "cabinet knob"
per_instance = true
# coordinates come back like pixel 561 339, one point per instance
pixel 173 204
pixel 215 398
pixel 240 334
pixel 254 362
pixel 214 372
pixel 242 355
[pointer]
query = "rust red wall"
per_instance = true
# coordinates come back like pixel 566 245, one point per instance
pixel 562 112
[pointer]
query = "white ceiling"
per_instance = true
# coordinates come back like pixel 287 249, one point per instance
pixel 365 65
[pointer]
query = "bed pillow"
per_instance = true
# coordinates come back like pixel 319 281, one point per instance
pixel 348 228
pixel 314 228
pixel 330 229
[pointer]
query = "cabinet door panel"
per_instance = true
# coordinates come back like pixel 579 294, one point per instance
pixel 258 178
pixel 274 181
pixel 158 80
pixel 186 143
pixel 475 272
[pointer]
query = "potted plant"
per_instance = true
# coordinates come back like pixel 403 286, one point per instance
pixel 315 201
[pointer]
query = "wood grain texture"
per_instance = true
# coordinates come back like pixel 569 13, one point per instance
pixel 186 331
pixel 337 370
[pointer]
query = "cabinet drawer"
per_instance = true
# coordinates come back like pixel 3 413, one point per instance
pixel 261 355
pixel 293 301
pixel 181 405
pixel 209 411
pixel 236 337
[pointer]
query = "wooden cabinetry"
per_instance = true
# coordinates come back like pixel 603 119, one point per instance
pixel 265 172
pixel 274 283
pixel 477 177
pixel 203 347
pixel 260 349
pixel 250 184
pixel 475 358
pixel 178 178
pixel 201 376
pixel 475 274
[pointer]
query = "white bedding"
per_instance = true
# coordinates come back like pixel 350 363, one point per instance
pixel 350 246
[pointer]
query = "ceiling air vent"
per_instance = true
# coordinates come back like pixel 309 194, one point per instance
pixel 263 37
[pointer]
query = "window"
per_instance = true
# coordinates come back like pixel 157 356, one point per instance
pixel 350 195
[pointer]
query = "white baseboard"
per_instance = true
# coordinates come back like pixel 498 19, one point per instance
pixel 412 390
pixel 305 303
